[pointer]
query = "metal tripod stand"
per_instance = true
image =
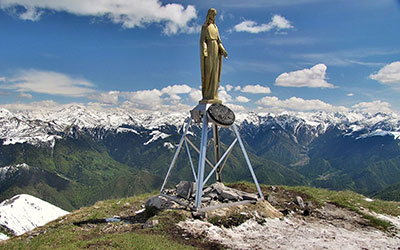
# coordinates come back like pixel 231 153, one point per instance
pixel 199 115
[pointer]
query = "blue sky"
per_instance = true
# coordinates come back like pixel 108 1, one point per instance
pixel 299 55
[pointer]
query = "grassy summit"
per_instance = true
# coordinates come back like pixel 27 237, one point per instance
pixel 88 228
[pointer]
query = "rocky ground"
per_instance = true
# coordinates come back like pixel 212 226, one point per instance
pixel 292 222
pixel 337 229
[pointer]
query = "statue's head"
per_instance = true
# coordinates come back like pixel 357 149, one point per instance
pixel 211 14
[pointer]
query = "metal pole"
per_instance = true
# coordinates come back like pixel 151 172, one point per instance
pixel 220 160
pixel 216 151
pixel 248 161
pixel 190 159
pixel 198 151
pixel 176 153
pixel 202 160
pixel 225 160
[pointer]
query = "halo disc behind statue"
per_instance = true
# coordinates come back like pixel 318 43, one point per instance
pixel 221 115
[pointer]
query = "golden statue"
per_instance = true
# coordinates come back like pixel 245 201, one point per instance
pixel 211 52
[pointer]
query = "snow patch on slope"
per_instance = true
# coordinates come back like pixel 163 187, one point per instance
pixel 9 170
pixel 156 135
pixel 3 237
pixel 168 145
pixel 126 130
pixel 24 212
pixel 380 132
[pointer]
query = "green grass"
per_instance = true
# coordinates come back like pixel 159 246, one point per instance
pixel 66 238
pixel 64 234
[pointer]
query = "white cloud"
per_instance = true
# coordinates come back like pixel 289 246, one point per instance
pixel 277 22
pixel 350 94
pixel 223 95
pixel 144 99
pixel 373 107
pixel 255 89
pixel 195 95
pixel 388 74
pixel 33 106
pixel 3 79
pixel 237 88
pixel 129 13
pixel 312 78
pixel 297 104
pixel 242 99
pixel 108 98
pixel 165 99
pixel 25 95
pixel 228 87
pixel 174 90
pixel 49 82
pixel 235 107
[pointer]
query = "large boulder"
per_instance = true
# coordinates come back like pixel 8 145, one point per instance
pixel 158 202
pixel 185 189
pixel 218 187
pixel 230 195
pixel 248 196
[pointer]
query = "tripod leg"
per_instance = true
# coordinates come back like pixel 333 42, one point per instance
pixel 202 161
pixel 217 151
pixel 176 153
pixel 248 161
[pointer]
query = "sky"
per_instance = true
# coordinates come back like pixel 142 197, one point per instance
pixel 144 55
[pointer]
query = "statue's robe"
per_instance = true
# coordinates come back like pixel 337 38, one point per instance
pixel 210 43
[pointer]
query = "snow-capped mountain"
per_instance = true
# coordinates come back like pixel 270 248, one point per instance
pixel 44 127
pixel 78 155
pixel 23 213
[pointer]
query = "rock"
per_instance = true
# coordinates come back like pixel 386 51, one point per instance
pixel 285 211
pixel 230 195
pixel 309 204
pixel 299 201
pixel 150 224
pixel 199 215
pixel 271 199
pixel 219 187
pixel 265 210
pixel 205 199
pixel 207 190
pixel 158 202
pixel 213 203
pixel 184 189
pixel 248 196
pixel 211 195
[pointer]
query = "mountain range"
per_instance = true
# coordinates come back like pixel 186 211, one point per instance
pixel 77 155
